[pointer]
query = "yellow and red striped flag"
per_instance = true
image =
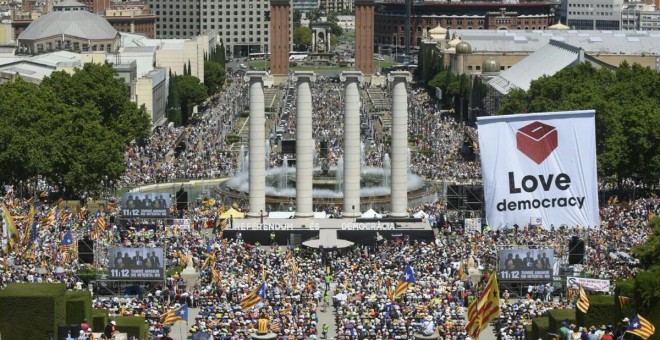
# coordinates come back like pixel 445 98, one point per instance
pixel 12 233
pixel 641 327
pixel 488 306
pixel 582 301
pixel 254 297
pixel 407 279
pixel 473 327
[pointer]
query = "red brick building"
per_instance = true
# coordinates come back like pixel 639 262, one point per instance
pixel 390 18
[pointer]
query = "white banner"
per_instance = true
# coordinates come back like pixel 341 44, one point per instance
pixel 540 166
pixel 594 285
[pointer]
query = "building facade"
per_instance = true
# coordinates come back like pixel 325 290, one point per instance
pixel 128 16
pixel 649 20
pixel 390 19
pixel 242 25
pixel 68 27
pixel 593 14
pixel 305 5
pixel 335 5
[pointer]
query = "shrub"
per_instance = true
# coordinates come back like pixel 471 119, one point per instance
pixel 540 328
pixel 602 311
pixel 42 306
pixel 133 326
pixel 78 306
pixel 174 270
pixel 647 296
pixel 100 318
pixel 86 275
pixel 625 288
pixel 232 138
pixel 556 316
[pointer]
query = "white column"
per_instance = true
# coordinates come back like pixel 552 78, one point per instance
pixel 399 151
pixel 304 144
pixel 256 145
pixel 351 80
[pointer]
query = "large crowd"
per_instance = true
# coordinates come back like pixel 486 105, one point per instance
pixel 353 284
pixel 201 150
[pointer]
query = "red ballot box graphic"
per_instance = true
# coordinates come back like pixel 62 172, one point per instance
pixel 537 141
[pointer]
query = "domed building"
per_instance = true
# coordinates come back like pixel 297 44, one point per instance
pixel 70 27
pixel 463 48
pixel 490 66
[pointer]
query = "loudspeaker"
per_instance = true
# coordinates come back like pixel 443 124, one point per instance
pixel 289 146
pixel 181 199
pixel 62 332
pixel 86 251
pixel 75 329
pixel 323 149
pixel 467 150
pixel 575 250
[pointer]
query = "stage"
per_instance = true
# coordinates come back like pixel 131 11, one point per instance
pixel 328 232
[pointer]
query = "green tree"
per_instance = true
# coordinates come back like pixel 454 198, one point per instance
pixel 649 253
pixel 99 85
pixel 455 89
pixel 73 142
pixel 336 30
pixel 191 92
pixel 25 143
pixel 214 77
pixel 626 102
pixel 173 102
pixel 297 17
pixel 85 151
pixel 302 37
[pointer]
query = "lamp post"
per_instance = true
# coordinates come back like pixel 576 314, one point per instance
pixel 105 186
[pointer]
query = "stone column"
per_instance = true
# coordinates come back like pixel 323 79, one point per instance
pixel 279 39
pixel 256 147
pixel 399 150
pixel 351 80
pixel 304 144
pixel 364 36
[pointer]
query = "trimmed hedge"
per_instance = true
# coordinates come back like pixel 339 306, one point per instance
pixel 528 332
pixel 540 328
pixel 625 288
pixel 100 318
pixel 647 297
pixel 602 311
pixel 78 306
pixel 133 326
pixel 556 317
pixel 32 310
pixel 86 275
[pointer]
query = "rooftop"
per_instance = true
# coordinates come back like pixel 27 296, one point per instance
pixel 554 57
pixel 593 42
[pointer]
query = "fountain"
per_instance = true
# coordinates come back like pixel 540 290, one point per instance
pixel 284 174
pixel 242 165
pixel 387 170
pixel 363 165
pixel 315 155
pixel 328 188
pixel 267 153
